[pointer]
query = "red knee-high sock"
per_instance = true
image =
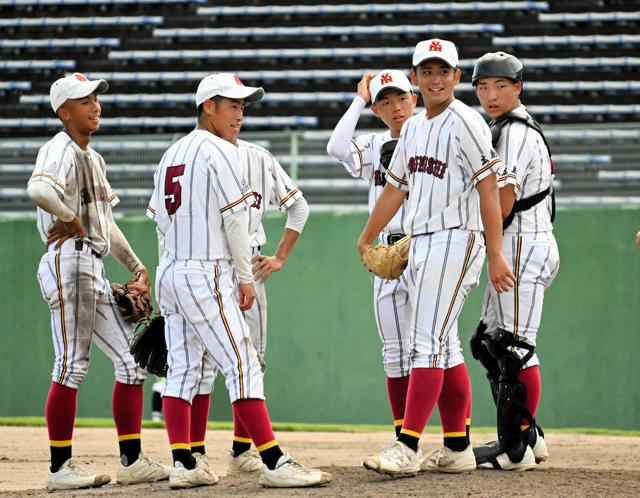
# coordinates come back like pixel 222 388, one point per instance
pixel 397 388
pixel 425 385
pixel 469 410
pixel 530 377
pixel 453 404
pixel 199 419
pixel 126 405
pixel 177 417
pixel 241 437
pixel 253 415
pixel 60 414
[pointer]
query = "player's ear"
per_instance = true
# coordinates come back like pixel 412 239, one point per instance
pixel 413 76
pixel 374 109
pixel 457 74
pixel 63 113
pixel 414 99
pixel 208 106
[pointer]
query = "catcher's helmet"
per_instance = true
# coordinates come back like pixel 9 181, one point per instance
pixel 495 64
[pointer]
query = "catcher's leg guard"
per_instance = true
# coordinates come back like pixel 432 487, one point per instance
pixel 481 353
pixel 512 393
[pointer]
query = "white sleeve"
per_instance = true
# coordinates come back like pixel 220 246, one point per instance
pixel 121 250
pixel 339 145
pixel 236 226
pixel 45 196
pixel 297 215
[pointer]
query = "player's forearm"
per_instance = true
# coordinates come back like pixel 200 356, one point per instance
pixel 47 198
pixel 387 205
pixel 288 241
pixel 491 214
pixel 122 251
pixel 236 227
pixel 507 199
pixel 339 145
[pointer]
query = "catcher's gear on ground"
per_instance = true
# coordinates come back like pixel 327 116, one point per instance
pixel 133 305
pixel 148 347
pixel 387 261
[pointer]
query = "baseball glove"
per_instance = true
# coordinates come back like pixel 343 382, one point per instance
pixel 148 346
pixel 134 304
pixel 387 262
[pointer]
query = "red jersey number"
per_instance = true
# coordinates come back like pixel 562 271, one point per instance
pixel 172 188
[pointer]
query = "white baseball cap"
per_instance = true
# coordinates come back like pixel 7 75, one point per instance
pixel 74 86
pixel 226 85
pixel 389 78
pixel 435 49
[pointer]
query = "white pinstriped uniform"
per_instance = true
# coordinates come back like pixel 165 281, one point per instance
pixel 529 244
pixel 439 161
pixel 73 280
pixel 390 297
pixel 198 182
pixel 270 184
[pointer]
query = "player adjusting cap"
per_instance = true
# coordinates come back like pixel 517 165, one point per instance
pixel 74 86
pixel 389 78
pixel 226 85
pixel 435 49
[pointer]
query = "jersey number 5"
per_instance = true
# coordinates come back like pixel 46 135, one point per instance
pixel 172 188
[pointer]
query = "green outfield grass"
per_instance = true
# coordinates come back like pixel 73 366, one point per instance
pixel 300 427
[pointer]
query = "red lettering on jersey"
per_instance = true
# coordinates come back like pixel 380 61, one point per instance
pixel 258 200
pixel 426 164
pixel 385 78
pixel 435 46
pixel 80 77
pixel 238 80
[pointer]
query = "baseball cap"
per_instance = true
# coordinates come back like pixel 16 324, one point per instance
pixel 226 85
pixel 435 49
pixel 389 78
pixel 74 86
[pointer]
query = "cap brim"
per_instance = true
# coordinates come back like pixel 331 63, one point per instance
pixel 90 87
pixel 385 88
pixel 429 57
pixel 246 93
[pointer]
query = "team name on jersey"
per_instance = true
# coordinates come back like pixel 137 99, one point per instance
pixel 427 164
pixel 98 194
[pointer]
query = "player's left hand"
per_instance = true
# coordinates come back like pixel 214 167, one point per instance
pixel 61 231
pixel 140 284
pixel 264 266
pixel 500 273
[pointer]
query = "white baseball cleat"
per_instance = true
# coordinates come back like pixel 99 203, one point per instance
pixel 246 462
pixel 180 477
pixel 72 476
pixel 540 450
pixel 503 462
pixel 290 474
pixel 449 461
pixel 142 470
pixel 396 460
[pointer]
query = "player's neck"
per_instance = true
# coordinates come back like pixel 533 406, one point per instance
pixel 434 110
pixel 394 133
pixel 82 140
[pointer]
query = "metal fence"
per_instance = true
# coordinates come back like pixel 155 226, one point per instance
pixel 594 166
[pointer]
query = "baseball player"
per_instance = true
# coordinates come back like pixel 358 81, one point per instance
pixel 367 157
pixel 638 240
pixel 74 217
pixel 445 160
pixel 201 204
pixel 506 336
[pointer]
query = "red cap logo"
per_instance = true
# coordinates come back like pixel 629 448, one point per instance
pixel 435 46
pixel 238 80
pixel 385 78
pixel 80 77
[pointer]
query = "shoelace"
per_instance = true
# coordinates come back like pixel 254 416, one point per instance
pixel 292 463
pixel 77 470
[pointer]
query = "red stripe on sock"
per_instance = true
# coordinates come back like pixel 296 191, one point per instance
pixel 424 389
pixel 253 415
pixel 126 406
pixel 455 399
pixel 60 412
pixel 397 390
pixel 530 377
pixel 239 429
pixel 177 417
pixel 200 417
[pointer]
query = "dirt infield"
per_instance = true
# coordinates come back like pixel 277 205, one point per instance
pixel 579 466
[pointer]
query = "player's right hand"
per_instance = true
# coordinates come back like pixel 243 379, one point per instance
pixel 247 296
pixel 500 274
pixel 363 86
pixel 61 231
